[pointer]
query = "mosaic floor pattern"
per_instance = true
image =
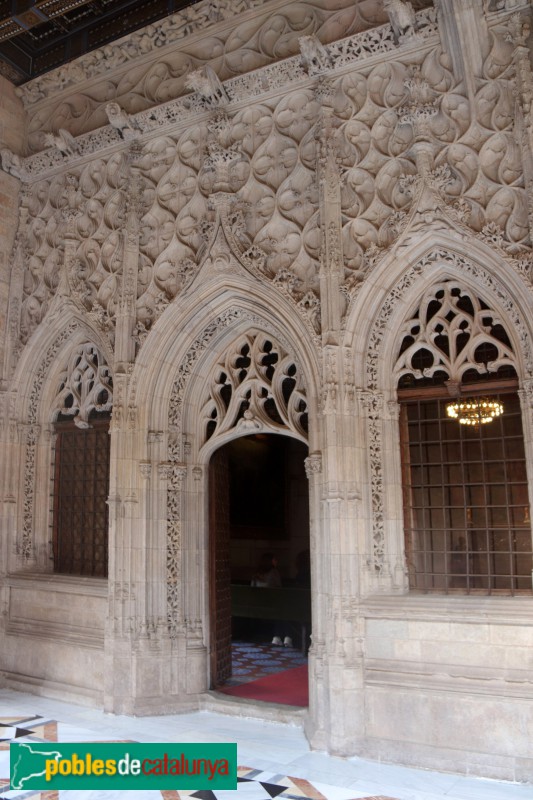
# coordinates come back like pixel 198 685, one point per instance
pixel 251 660
pixel 253 784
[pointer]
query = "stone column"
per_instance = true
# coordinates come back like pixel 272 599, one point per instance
pixel 464 35
pixel 526 404
pixel 336 666
pixel 519 36
pixel 127 312
pixel 194 556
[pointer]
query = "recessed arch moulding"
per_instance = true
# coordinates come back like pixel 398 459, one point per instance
pixel 171 529
pixel 379 319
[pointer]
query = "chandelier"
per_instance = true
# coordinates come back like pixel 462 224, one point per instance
pixel 475 411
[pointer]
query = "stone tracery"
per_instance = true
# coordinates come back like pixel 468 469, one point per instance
pixel 451 333
pixel 86 385
pixel 256 386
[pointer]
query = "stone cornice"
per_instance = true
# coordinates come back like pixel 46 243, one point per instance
pixel 442 608
pixel 139 46
pixel 358 51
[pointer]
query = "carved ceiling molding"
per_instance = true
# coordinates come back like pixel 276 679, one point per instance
pixel 354 51
pixel 136 46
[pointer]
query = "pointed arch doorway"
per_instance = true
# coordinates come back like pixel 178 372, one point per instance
pixel 258 504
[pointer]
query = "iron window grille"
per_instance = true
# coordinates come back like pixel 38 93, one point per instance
pixel 81 488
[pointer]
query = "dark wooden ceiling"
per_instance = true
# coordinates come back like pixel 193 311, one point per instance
pixel 39 35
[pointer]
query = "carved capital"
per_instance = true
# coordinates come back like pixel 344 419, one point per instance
pixel 164 470
pixel 371 403
pixel 525 394
pixel 393 409
pixel 197 473
pixel 313 465
pixel 145 469
pixel 180 472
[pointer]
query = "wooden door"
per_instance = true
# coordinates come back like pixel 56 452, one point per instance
pixel 219 569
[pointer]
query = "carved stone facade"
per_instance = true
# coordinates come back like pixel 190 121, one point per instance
pixel 227 224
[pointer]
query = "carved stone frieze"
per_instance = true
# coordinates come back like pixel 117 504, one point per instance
pixel 483 155
pixel 364 43
pixel 163 69
pixel 29 436
pixel 265 155
pixel 372 407
pixel 91 257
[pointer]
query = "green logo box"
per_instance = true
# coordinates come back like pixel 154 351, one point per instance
pixel 101 765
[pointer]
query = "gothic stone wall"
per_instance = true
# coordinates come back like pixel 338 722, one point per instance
pixel 286 177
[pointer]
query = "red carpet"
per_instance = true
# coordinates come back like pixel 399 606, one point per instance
pixel 289 687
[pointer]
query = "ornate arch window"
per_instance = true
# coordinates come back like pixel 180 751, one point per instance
pixel 465 489
pixel 81 464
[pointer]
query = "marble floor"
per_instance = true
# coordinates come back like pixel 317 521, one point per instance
pixel 275 758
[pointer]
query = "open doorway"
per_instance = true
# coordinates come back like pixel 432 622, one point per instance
pixel 259 505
